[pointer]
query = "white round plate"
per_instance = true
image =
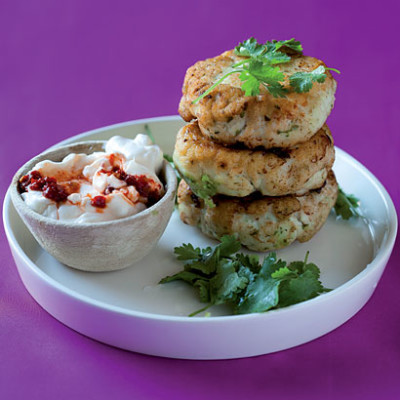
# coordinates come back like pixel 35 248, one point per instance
pixel 130 310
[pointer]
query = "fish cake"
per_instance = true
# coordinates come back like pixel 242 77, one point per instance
pixel 229 117
pixel 260 223
pixel 240 172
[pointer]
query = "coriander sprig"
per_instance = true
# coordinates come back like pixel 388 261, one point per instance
pixel 221 275
pixel 346 205
pixel 260 68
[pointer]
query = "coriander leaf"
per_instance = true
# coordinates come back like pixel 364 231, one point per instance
pixel 261 295
pixel 291 44
pixel 265 73
pixel 250 85
pixel 258 72
pixel 277 90
pixel 246 272
pixel 303 81
pixel 187 252
pixel 346 205
pixel 276 57
pixel 313 269
pixel 270 265
pixel 249 262
pixel 273 56
pixel 187 276
pixel 204 189
pixel 203 288
pixel 303 287
pixel 225 285
pixel 229 245
pixel 282 273
pixel 207 190
pixel 301 266
pixel 297 266
pixel 207 265
pixel 249 48
pixel 206 252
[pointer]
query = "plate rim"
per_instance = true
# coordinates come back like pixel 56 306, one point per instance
pixel 383 252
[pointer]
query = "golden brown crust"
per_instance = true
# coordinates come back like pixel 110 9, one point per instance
pixel 264 223
pixel 228 116
pixel 240 172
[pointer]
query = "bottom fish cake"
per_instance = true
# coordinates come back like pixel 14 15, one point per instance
pixel 260 223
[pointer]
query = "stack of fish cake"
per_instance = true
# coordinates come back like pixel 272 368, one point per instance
pixel 259 166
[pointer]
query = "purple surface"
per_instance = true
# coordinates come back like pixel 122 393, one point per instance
pixel 68 67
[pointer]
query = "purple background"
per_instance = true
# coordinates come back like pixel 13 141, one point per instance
pixel 67 67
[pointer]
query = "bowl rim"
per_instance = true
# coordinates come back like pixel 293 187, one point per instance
pixel 170 185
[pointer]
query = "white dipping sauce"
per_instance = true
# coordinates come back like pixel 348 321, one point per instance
pixel 84 177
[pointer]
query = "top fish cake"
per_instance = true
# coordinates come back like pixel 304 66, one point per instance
pixel 229 117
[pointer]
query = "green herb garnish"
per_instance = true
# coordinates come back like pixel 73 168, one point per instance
pixel 222 276
pixel 149 133
pixel 303 81
pixel 167 157
pixel 346 205
pixel 259 68
pixel 205 189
